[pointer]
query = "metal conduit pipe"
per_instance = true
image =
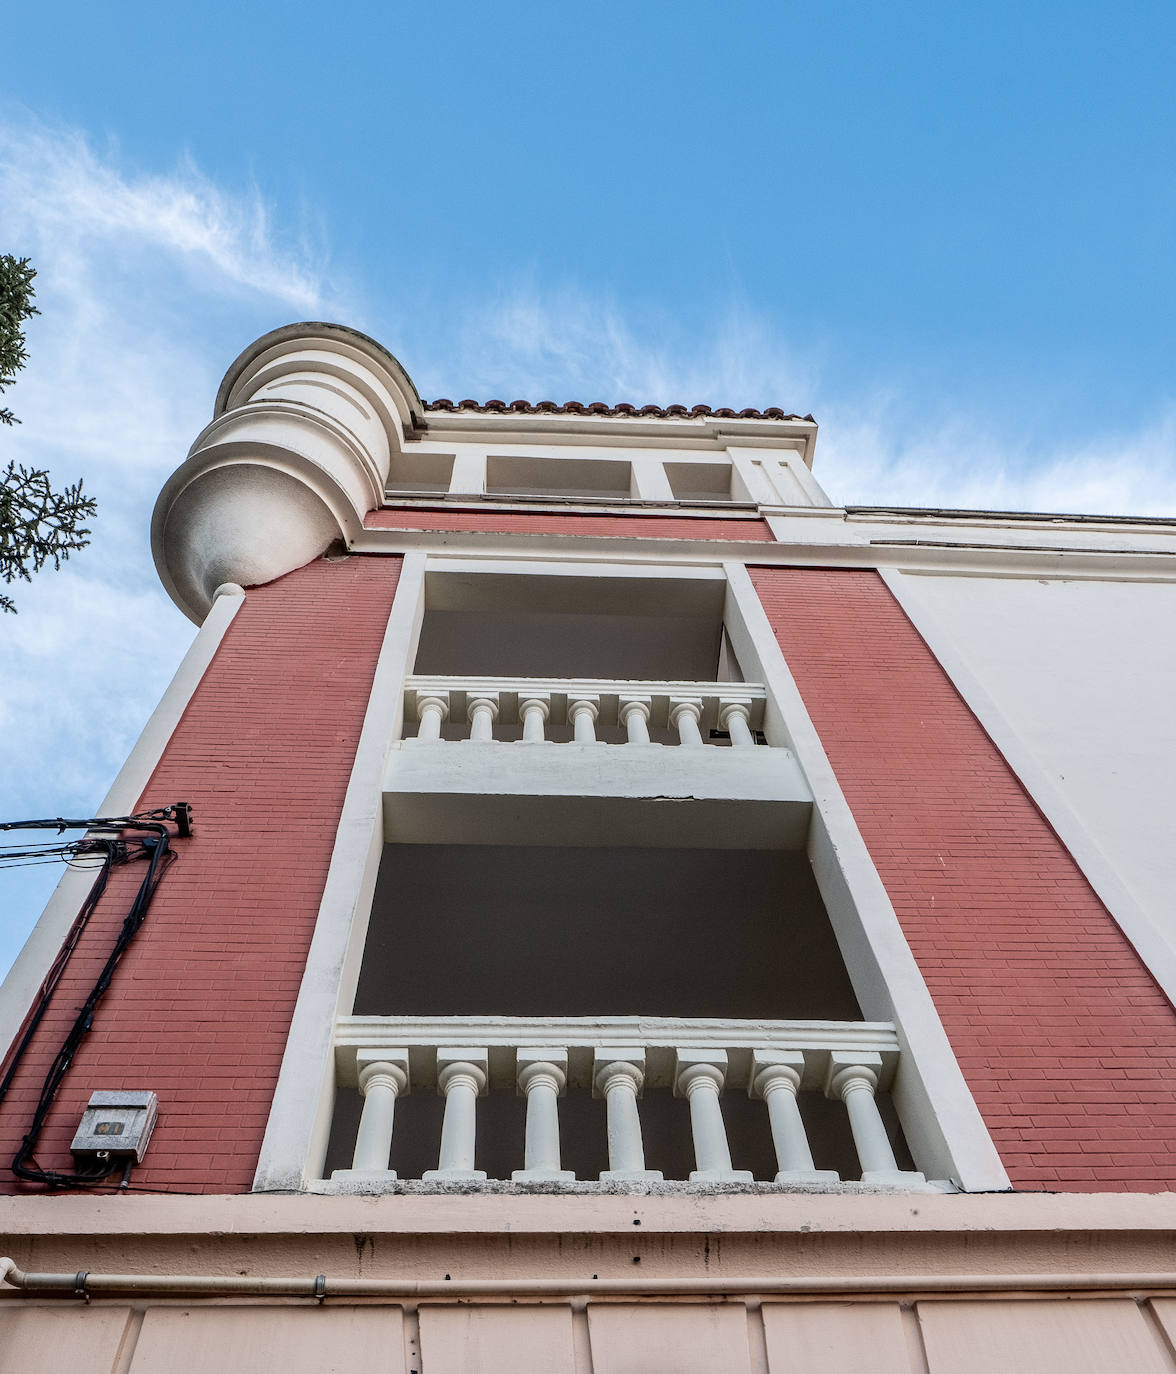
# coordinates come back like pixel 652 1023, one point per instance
pixel 84 1284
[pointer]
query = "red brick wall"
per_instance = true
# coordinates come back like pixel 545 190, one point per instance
pixel 1064 1038
pixel 201 1003
pixel 546 522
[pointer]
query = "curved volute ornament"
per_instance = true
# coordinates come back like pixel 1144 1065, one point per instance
pixel 306 422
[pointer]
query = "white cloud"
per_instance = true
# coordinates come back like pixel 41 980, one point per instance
pixel 881 448
pixel 147 285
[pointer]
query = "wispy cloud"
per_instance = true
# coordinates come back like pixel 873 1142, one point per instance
pixel 881 447
pixel 147 285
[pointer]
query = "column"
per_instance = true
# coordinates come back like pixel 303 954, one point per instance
pixel 634 713
pixel 734 717
pixel 699 1075
pixel 685 713
pixel 431 711
pixel 618 1076
pixel 582 712
pixel 534 710
pixel 482 711
pixel 461 1077
pixel 542 1077
pixel 775 1078
pixel 383 1076
pixel 853 1078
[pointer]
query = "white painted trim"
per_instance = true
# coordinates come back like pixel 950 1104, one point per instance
pixel 1136 923
pixel 662 571
pixel 300 1117
pixel 807 546
pixel 943 1125
pixel 45 940
pixel 580 1038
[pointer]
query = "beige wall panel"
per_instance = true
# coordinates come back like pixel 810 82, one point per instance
pixel 835 1338
pixel 271 1340
pixel 668 1338
pixel 1165 1310
pixel 1040 1336
pixel 46 1340
pixel 531 1339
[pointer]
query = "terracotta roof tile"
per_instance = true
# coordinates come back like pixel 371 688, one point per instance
pixel 600 408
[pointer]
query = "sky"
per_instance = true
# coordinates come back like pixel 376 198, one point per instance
pixel 945 230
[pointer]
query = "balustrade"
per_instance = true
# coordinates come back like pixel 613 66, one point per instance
pixel 617 1059
pixel 686 712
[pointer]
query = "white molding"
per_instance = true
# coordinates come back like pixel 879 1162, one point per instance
pixel 484 565
pixel 942 1122
pixel 581 1036
pixel 32 964
pixel 1148 940
pixel 806 546
pixel 300 1116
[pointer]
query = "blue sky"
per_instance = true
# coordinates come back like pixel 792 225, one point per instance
pixel 946 230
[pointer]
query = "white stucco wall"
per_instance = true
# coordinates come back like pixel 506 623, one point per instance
pixel 1076 682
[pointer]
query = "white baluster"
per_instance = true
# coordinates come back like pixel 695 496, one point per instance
pixel 431 711
pixel 734 717
pixel 699 1076
pixel 383 1076
pixel 582 712
pixel 685 713
pixel 617 1076
pixel 775 1077
pixel 542 1076
pixel 533 712
pixel 854 1079
pixel 482 712
pixel 635 713
pixel 461 1076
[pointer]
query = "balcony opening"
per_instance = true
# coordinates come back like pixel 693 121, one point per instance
pixel 701 481
pixel 624 630
pixel 495 932
pixel 528 930
pixel 588 478
pixel 429 473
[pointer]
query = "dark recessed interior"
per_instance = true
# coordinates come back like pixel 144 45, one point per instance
pixel 520 931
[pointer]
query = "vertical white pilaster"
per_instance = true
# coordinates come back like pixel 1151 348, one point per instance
pixel 650 482
pixel 461 1076
pixel 618 1076
pixel 699 1076
pixel 469 472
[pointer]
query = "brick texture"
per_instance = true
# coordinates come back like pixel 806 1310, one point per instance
pixel 1063 1036
pixel 594 526
pixel 201 1004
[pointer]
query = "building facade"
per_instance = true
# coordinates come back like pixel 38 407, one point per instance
pixel 637 915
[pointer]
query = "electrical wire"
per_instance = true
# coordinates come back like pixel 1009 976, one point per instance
pixel 106 836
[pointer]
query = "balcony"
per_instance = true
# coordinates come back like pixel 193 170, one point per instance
pixel 679 763
pixel 607 1064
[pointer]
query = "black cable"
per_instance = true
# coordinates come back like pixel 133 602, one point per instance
pixel 156 849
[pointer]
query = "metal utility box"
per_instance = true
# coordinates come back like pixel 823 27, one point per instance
pixel 116 1124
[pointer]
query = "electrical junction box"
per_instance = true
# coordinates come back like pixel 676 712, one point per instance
pixel 117 1124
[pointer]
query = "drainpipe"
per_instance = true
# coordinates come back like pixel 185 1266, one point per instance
pixel 84 1284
